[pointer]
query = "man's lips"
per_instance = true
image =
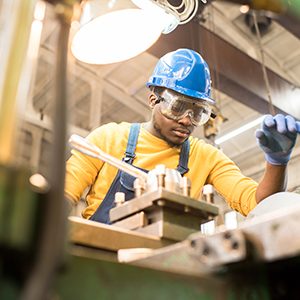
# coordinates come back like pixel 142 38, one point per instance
pixel 181 132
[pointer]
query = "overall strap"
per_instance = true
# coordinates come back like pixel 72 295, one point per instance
pixel 182 167
pixel 131 143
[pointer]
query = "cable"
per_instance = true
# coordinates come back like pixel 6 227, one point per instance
pixel 215 57
pixel 265 75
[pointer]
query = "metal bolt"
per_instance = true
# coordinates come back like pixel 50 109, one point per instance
pixel 160 171
pixel 193 243
pixel 119 198
pixel 138 187
pixel 161 202
pixel 206 251
pixel 227 235
pixel 185 185
pixel 208 193
pixel 235 245
pixel 186 209
pixel 275 226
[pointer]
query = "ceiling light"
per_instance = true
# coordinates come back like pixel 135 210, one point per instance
pixel 114 31
pixel 168 17
pixel 238 131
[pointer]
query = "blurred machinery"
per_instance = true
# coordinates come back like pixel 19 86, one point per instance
pixel 212 127
pixel 259 260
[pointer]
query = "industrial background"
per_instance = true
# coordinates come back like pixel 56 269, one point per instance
pixel 254 61
pixel 116 92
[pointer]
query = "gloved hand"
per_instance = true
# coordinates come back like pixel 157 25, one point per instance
pixel 277 138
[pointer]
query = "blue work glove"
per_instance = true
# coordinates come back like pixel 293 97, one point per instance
pixel 277 138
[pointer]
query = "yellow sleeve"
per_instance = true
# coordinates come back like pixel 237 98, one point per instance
pixel 81 169
pixel 238 190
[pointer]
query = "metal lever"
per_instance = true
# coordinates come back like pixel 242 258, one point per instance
pixel 81 144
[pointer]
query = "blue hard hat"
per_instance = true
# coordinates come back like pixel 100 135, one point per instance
pixel 184 71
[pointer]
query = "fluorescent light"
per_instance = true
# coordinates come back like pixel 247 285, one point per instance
pixel 238 131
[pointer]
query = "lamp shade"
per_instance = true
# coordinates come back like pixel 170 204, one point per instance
pixel 116 33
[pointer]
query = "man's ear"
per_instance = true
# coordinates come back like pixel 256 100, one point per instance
pixel 152 100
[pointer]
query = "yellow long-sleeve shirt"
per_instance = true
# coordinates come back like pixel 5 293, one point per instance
pixel 207 165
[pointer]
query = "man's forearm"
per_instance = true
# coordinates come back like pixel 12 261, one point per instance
pixel 274 180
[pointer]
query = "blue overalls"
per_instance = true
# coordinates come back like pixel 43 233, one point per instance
pixel 123 182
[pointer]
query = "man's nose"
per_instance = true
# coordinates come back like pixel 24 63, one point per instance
pixel 186 120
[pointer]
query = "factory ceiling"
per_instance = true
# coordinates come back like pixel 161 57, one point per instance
pixel 117 92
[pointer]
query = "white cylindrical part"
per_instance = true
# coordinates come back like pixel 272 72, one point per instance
pixel 119 198
pixel 208 189
pixel 208 193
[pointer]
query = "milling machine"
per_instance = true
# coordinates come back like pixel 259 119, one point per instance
pixel 258 260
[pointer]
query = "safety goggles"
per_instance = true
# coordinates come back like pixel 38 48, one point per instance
pixel 177 107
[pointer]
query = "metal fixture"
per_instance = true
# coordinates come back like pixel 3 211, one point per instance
pixel 106 26
pixel 185 10
pixel 262 20
pixel 163 213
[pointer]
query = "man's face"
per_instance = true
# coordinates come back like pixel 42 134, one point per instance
pixel 173 132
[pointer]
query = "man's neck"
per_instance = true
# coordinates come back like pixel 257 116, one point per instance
pixel 149 127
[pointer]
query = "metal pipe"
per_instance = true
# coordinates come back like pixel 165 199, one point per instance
pixel 53 230
pixel 84 146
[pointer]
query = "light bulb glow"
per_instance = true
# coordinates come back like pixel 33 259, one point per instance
pixel 116 36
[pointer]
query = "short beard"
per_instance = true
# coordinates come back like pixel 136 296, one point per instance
pixel 158 129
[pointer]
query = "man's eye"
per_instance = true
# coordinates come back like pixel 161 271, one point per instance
pixel 199 110
pixel 177 106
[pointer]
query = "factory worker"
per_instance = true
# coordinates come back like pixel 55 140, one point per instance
pixel 180 100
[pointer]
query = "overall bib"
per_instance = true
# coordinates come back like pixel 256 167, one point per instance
pixel 123 182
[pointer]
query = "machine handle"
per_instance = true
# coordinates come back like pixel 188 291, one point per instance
pixel 81 144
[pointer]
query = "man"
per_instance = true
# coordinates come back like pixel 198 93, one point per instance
pixel 180 100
